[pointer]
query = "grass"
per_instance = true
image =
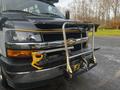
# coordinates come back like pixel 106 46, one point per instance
pixel 107 32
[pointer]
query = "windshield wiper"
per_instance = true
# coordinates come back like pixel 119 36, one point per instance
pixel 52 14
pixel 20 11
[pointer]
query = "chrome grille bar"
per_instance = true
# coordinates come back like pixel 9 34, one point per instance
pixel 51 44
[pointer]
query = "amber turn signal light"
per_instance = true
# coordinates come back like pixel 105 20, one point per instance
pixel 18 53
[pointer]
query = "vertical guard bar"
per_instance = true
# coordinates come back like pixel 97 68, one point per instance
pixel 81 43
pixel 69 69
pixel 93 44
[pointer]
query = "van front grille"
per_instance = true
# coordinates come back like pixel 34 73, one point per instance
pixel 49 37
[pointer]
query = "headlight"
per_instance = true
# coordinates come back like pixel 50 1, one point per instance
pixel 18 36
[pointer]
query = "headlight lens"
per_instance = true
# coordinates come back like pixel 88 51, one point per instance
pixel 18 36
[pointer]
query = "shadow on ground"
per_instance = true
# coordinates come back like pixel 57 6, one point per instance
pixel 58 84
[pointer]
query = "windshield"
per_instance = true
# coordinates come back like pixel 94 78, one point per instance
pixel 32 6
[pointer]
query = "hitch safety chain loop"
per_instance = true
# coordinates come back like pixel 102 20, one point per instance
pixel 36 60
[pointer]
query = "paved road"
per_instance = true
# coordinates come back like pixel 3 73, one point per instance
pixel 105 76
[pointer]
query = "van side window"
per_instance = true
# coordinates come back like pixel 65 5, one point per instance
pixel 51 10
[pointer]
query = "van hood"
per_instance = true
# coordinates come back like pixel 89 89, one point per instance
pixel 20 21
pixel 56 23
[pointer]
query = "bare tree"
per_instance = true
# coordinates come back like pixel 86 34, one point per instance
pixel 115 4
pixel 101 11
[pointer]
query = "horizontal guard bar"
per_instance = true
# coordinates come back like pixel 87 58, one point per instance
pixel 54 50
pixel 59 43
pixel 80 54
pixel 90 51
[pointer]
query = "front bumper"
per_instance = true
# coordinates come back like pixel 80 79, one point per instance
pixel 29 79
pixel 26 80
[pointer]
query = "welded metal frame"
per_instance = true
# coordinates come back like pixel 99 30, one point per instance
pixel 68 57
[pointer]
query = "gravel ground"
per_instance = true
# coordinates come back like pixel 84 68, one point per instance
pixel 105 76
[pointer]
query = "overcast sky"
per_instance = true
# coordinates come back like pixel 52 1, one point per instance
pixel 64 3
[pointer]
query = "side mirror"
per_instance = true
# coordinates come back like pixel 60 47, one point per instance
pixel 67 14
pixel 2 22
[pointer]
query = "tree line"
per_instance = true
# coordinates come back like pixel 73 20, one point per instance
pixel 105 12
